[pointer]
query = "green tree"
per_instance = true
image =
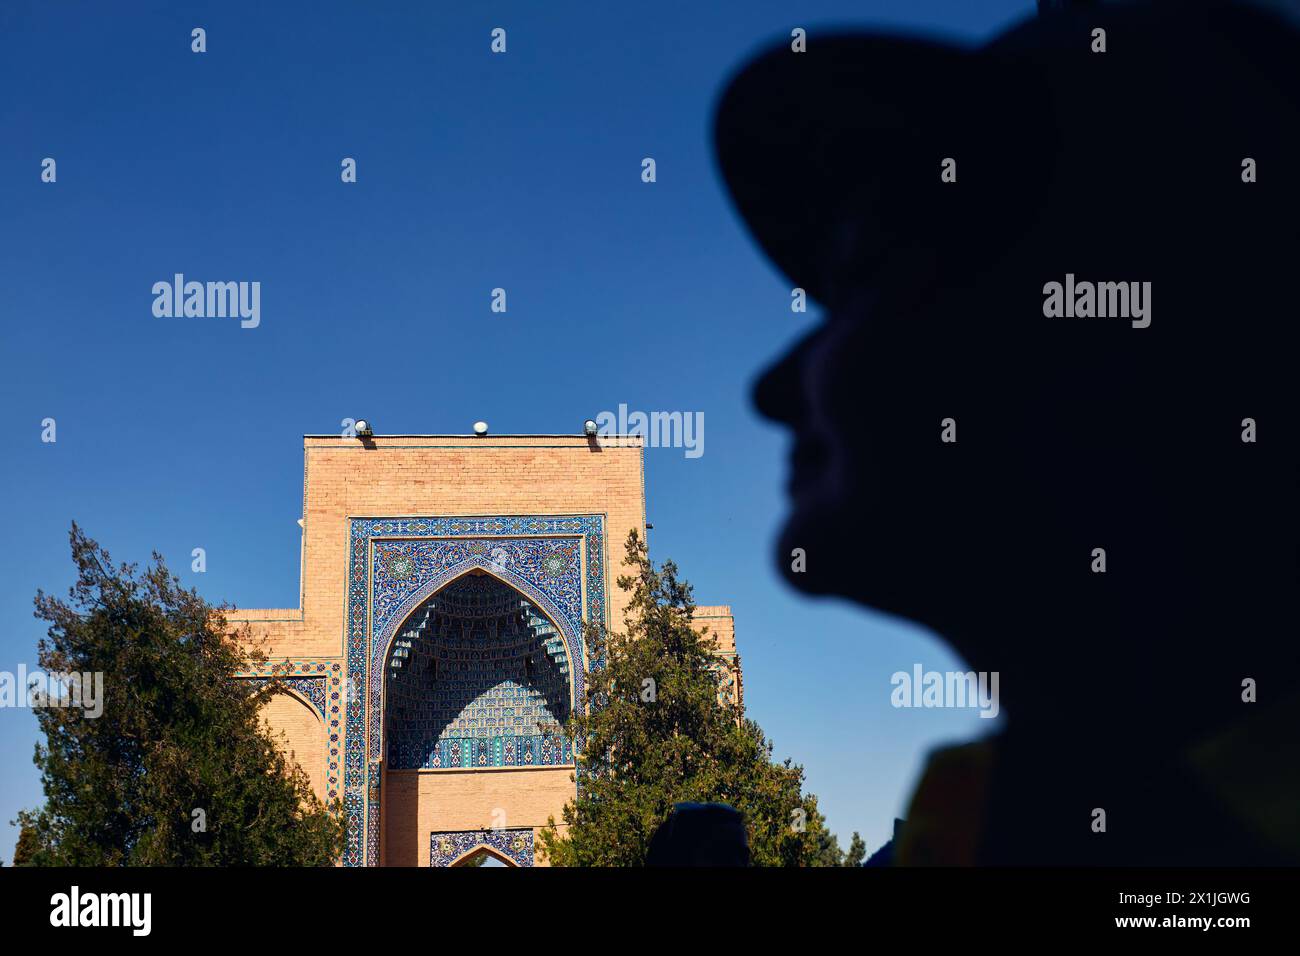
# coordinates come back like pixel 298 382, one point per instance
pixel 657 728
pixel 27 847
pixel 857 851
pixel 177 734
pixel 828 850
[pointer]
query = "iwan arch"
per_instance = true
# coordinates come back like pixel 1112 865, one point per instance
pixel 437 649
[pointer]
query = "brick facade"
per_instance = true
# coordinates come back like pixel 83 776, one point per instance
pixel 434 477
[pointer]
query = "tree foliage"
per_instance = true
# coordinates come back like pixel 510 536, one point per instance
pixel 857 851
pixel 655 731
pixel 178 733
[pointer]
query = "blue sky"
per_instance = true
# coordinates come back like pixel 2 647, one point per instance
pixel 474 171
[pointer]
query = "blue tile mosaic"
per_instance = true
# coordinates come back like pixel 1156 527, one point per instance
pixel 555 562
pixel 448 849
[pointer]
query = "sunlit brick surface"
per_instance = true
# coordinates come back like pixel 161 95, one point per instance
pixel 440 476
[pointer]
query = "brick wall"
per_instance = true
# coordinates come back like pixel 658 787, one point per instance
pixel 301 734
pixel 394 476
pixel 722 628
pixel 420 802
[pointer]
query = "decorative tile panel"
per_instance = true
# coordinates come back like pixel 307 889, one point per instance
pixel 321 682
pixel 481 680
pixel 396 564
pixel 311 688
pixel 445 849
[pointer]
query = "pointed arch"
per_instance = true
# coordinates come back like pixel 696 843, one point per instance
pixel 299 731
pixel 580 593
pixel 302 699
pixel 515 846
pixel 486 850
pixel 387 637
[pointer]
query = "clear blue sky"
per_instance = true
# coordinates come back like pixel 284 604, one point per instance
pixel 475 171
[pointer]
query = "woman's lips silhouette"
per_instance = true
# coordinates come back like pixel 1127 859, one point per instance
pixel 808 461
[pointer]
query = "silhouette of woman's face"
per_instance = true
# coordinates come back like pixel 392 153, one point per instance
pixel 864 395
pixel 885 510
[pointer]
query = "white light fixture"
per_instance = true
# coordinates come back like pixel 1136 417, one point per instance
pixel 589 427
pixel 480 429
pixel 363 427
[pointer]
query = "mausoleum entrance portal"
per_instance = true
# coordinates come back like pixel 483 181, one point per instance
pixel 440 676
pixel 477 677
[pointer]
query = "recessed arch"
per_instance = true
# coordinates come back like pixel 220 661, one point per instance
pixel 442 548
pixel 514 847
pixel 302 698
pixel 383 646
pixel 483 850
pixel 299 730
pixel 476 676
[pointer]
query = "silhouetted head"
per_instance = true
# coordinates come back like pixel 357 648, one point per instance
pixel 700 834
pixel 1122 433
